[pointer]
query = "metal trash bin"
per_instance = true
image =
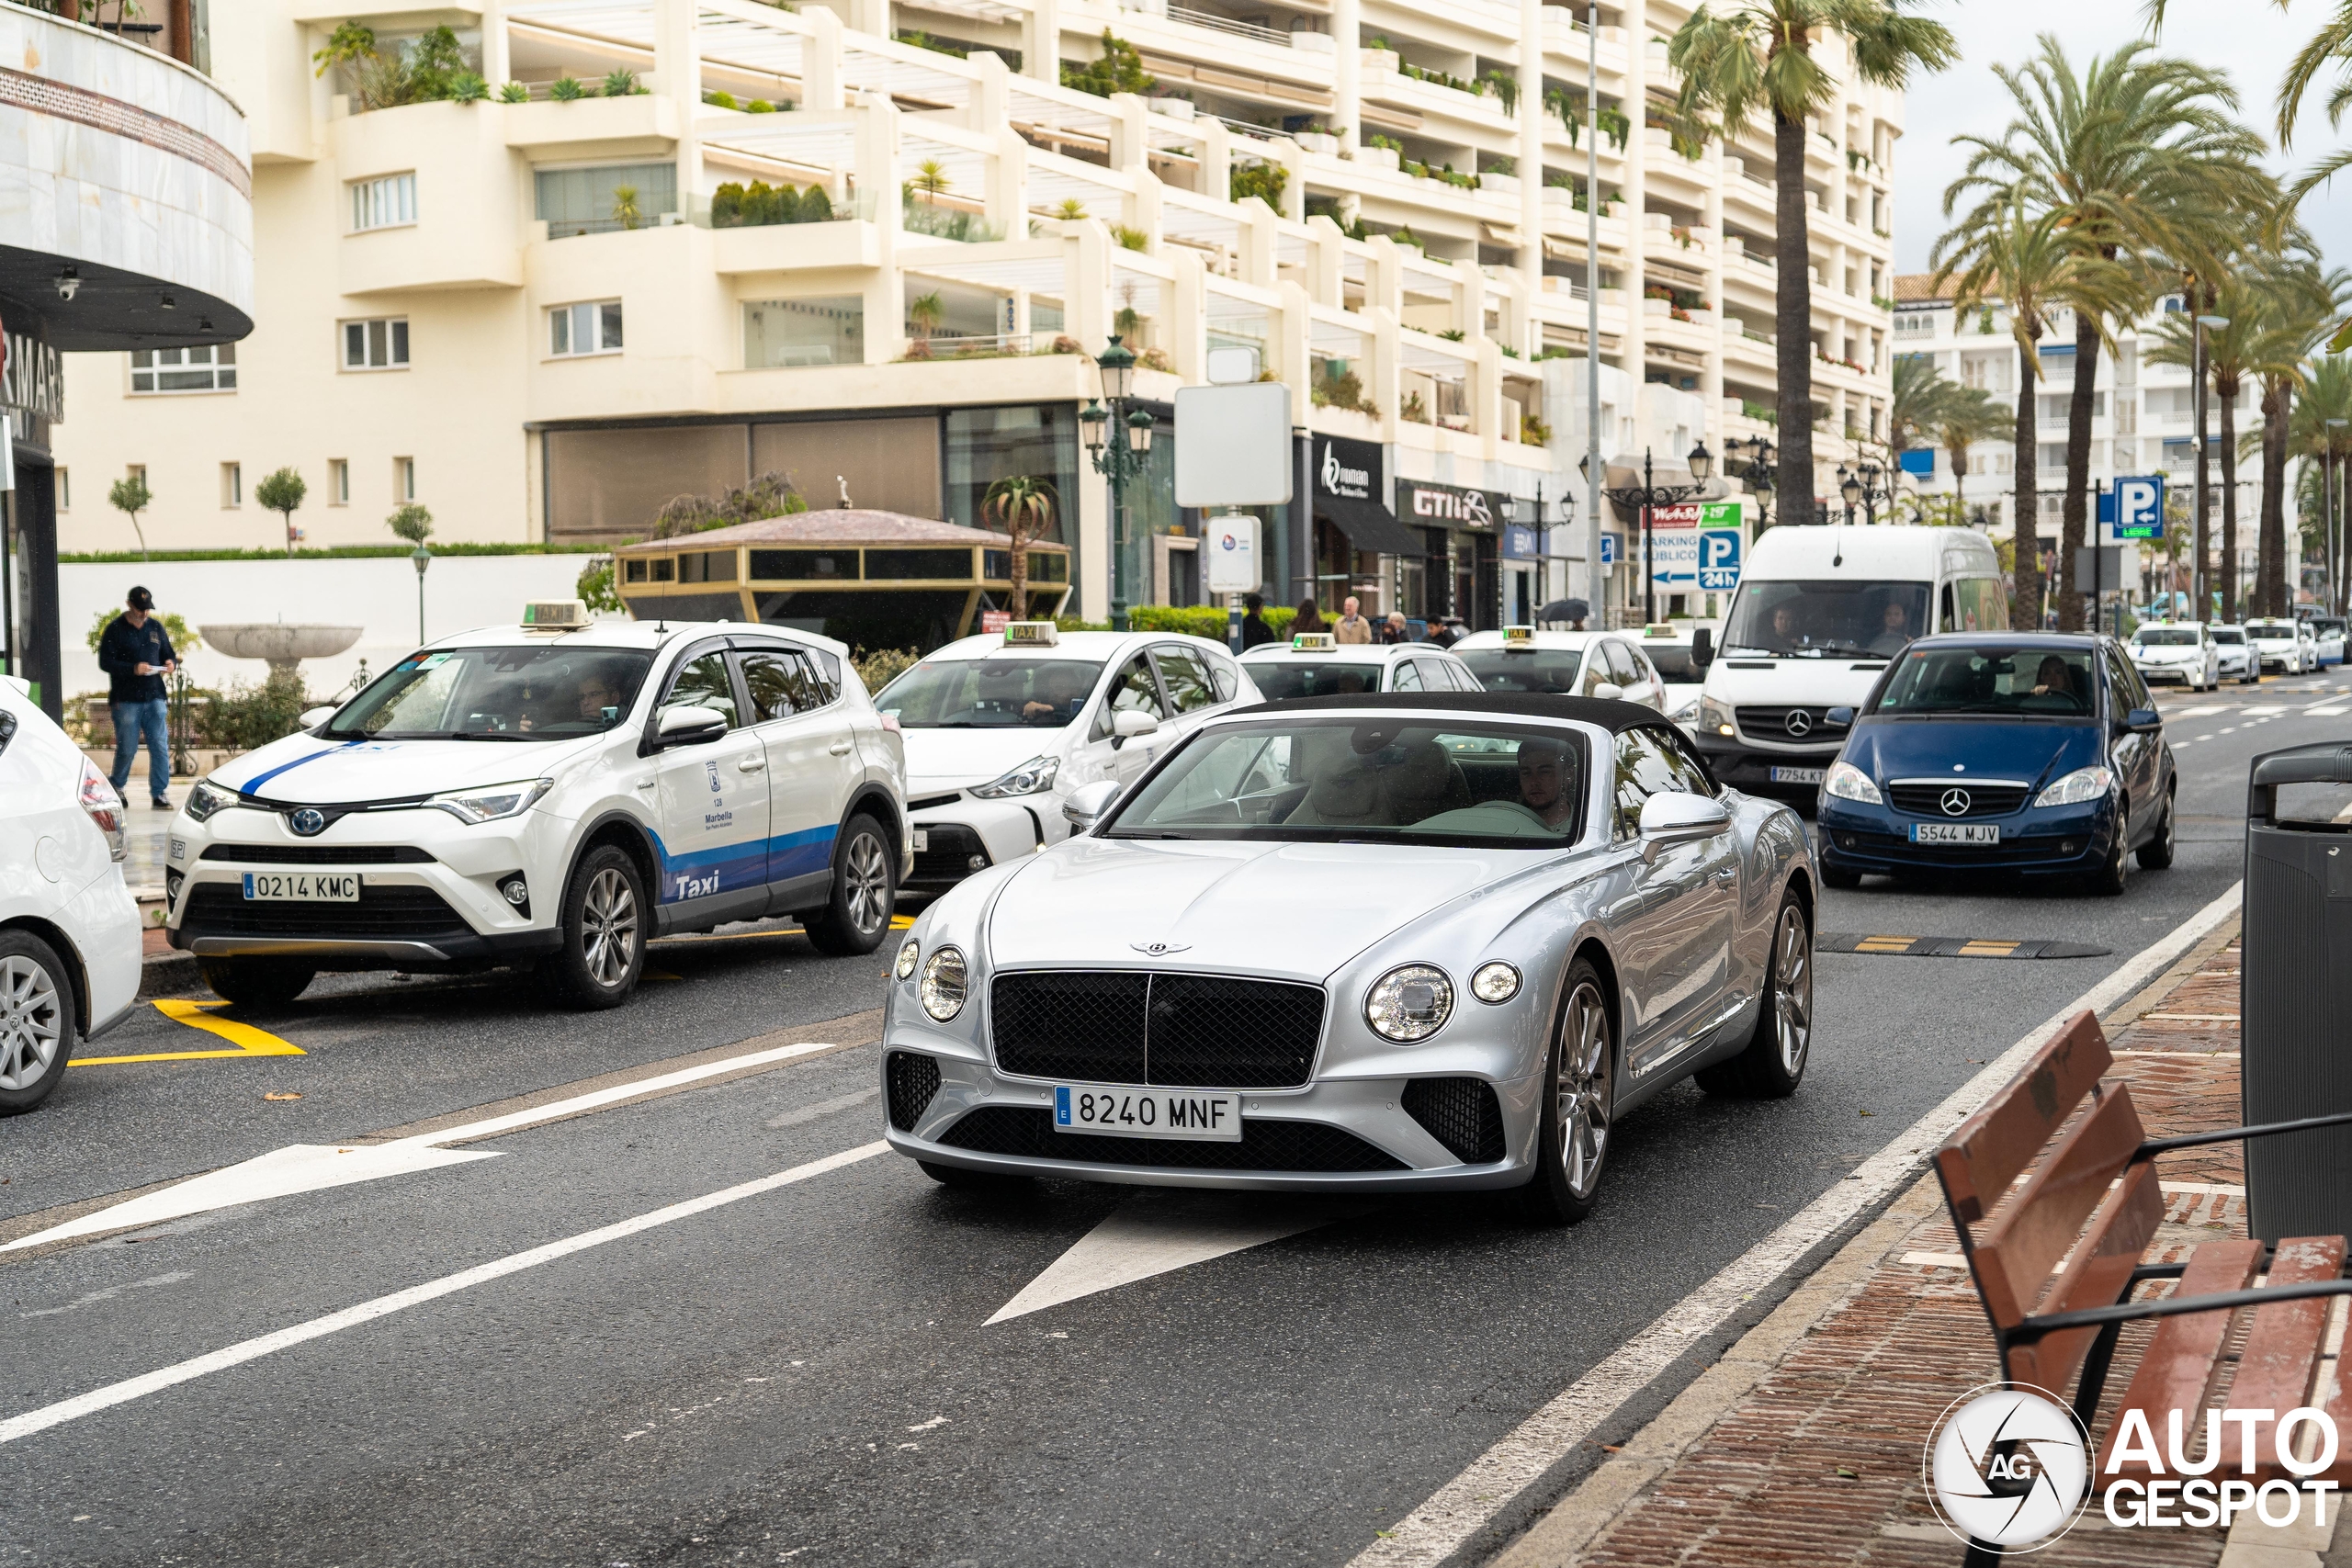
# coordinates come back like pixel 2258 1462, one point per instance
pixel 2295 989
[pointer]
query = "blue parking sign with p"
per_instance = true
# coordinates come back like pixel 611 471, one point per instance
pixel 1718 559
pixel 2140 508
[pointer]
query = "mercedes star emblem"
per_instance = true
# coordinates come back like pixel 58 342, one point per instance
pixel 309 821
pixel 1799 722
pixel 1955 803
pixel 1155 949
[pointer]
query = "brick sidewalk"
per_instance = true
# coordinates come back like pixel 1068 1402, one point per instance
pixel 1810 1447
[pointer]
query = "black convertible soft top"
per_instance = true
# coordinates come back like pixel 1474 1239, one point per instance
pixel 1609 714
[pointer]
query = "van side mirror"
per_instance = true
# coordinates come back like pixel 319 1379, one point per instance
pixel 1702 647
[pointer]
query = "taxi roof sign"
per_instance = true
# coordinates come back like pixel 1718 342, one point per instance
pixel 1031 633
pixel 1520 638
pixel 1658 628
pixel 1313 642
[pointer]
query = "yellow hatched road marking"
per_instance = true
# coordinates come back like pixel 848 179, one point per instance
pixel 1987 947
pixel 1884 943
pixel 246 1040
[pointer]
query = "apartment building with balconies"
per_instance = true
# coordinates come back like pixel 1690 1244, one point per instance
pixel 873 244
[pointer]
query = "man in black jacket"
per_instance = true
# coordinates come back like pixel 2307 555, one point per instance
pixel 1254 629
pixel 136 653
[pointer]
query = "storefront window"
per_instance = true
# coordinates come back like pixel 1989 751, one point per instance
pixel 988 445
pixel 828 331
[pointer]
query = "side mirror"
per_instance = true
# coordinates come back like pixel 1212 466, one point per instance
pixel 2144 721
pixel 1087 803
pixel 1609 691
pixel 1671 815
pixel 1702 647
pixel 688 727
pixel 1842 717
pixel 313 717
pixel 1128 723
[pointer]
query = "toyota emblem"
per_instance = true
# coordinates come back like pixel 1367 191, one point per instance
pixel 1798 723
pixel 308 822
pixel 1954 802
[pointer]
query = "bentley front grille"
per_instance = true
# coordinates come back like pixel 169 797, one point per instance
pixel 1461 1113
pixel 913 1080
pixel 1178 1030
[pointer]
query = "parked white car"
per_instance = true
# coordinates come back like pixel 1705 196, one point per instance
pixel 69 928
pixel 1570 664
pixel 1000 729
pixel 2233 658
pixel 2282 645
pixel 2328 631
pixel 1312 665
pixel 548 796
pixel 2182 651
pixel 1673 652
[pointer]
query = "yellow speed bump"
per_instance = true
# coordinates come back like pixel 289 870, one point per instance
pixel 244 1039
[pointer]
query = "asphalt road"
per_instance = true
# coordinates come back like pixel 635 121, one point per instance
pixel 809 1374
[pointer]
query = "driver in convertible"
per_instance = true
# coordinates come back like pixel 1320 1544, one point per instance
pixel 1543 781
pixel 1059 695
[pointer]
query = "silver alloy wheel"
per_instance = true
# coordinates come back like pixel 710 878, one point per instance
pixel 608 927
pixel 31 1022
pixel 1580 1098
pixel 1793 990
pixel 866 879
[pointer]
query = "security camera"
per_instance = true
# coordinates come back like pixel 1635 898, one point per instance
pixel 68 282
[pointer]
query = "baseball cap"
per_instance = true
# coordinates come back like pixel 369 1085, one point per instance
pixel 141 599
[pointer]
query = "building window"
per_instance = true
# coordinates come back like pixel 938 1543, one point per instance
pixel 380 345
pixel 577 330
pixel 232 485
pixel 598 200
pixel 389 202
pixel 984 445
pixel 404 479
pixel 829 331
pixel 65 491
pixel 338 481
pixel 210 369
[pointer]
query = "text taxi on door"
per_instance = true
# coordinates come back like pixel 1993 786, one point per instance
pixel 548 796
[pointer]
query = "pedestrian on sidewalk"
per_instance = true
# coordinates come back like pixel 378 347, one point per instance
pixel 1392 630
pixel 1352 627
pixel 1254 629
pixel 136 653
pixel 1308 619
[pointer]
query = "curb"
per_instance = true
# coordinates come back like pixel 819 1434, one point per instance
pixel 168 975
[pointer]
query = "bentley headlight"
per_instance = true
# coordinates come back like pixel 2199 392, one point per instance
pixel 1847 782
pixel 490 804
pixel 1716 716
pixel 1031 777
pixel 2080 786
pixel 943 986
pixel 1495 983
pixel 1410 1003
pixel 908 950
pixel 208 798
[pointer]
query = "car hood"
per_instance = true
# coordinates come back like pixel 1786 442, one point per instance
pixel 332 773
pixel 1288 910
pixel 1807 682
pixel 1964 749
pixel 2157 653
pixel 956 758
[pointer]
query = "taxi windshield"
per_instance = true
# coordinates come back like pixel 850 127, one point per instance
pixel 1674 662
pixel 2020 682
pixel 2230 635
pixel 497 694
pixel 1551 670
pixel 994 693
pixel 1279 679
pixel 2165 637
pixel 1384 781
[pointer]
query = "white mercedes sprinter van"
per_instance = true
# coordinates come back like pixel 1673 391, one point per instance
pixel 1819 612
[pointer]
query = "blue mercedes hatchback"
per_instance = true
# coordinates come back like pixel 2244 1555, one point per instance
pixel 2019 753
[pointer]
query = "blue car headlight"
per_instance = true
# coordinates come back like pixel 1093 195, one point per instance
pixel 1847 782
pixel 2077 788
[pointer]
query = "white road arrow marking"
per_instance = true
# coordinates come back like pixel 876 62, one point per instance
pixel 1163 1232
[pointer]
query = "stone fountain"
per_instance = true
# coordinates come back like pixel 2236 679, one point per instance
pixel 284 643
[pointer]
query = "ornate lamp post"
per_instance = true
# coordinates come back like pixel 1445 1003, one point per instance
pixel 1118 439
pixel 1860 487
pixel 1756 470
pixel 1648 495
pixel 422 558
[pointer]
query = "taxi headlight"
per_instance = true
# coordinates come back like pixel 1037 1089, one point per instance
pixel 1847 782
pixel 1031 777
pixel 493 803
pixel 944 980
pixel 208 798
pixel 1495 983
pixel 1715 715
pixel 2082 784
pixel 907 952
pixel 1686 711
pixel 1410 1003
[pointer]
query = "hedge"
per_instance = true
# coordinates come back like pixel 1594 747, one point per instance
pixel 329 552
pixel 1202 620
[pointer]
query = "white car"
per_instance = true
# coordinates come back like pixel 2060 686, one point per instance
pixel 2176 650
pixel 1312 665
pixel 1671 652
pixel 2327 633
pixel 548 797
pixel 69 928
pixel 2281 645
pixel 1000 729
pixel 2233 658
pixel 1570 664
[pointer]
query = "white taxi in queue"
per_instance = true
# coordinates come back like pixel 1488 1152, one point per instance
pixel 548 796
pixel 1317 664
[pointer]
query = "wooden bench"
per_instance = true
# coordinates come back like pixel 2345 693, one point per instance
pixel 2056 1263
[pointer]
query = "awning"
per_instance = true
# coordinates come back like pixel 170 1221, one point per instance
pixel 1369 525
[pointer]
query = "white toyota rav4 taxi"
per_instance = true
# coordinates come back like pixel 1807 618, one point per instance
pixel 548 796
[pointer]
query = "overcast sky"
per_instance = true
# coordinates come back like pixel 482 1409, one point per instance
pixel 2252 41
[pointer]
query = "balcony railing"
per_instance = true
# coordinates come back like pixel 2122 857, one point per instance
pixel 1215 23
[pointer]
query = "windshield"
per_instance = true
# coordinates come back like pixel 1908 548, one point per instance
pixel 1842 619
pixel 2327 625
pixel 1550 670
pixel 2019 682
pixel 2228 634
pixel 1388 781
pixel 2270 630
pixel 1279 679
pixel 2167 637
pixel 1673 662
pixel 991 693
pixel 497 694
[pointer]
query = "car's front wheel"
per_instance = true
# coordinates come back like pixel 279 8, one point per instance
pixel 2111 879
pixel 2156 853
pixel 255 982
pixel 603 924
pixel 1773 1064
pixel 865 888
pixel 36 1021
pixel 1579 1104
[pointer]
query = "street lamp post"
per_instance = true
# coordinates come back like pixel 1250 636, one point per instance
pixel 422 558
pixel 1859 487
pixel 1649 495
pixel 2200 582
pixel 1118 439
pixel 1755 458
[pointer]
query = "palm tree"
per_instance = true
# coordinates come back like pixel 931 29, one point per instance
pixel 1757 56
pixel 925 311
pixel 1921 396
pixel 2012 258
pixel 2138 157
pixel 1971 416
pixel 2228 352
pixel 1023 504
pixel 931 178
pixel 2323 448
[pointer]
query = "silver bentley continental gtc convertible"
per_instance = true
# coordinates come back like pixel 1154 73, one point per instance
pixel 1364 943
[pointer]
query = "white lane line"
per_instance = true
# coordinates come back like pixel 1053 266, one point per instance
pixel 1436 1529
pixel 307 1167
pixel 2257 709
pixel 1156 1234
pixel 2326 710
pixel 106 1398
pixel 2201 709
